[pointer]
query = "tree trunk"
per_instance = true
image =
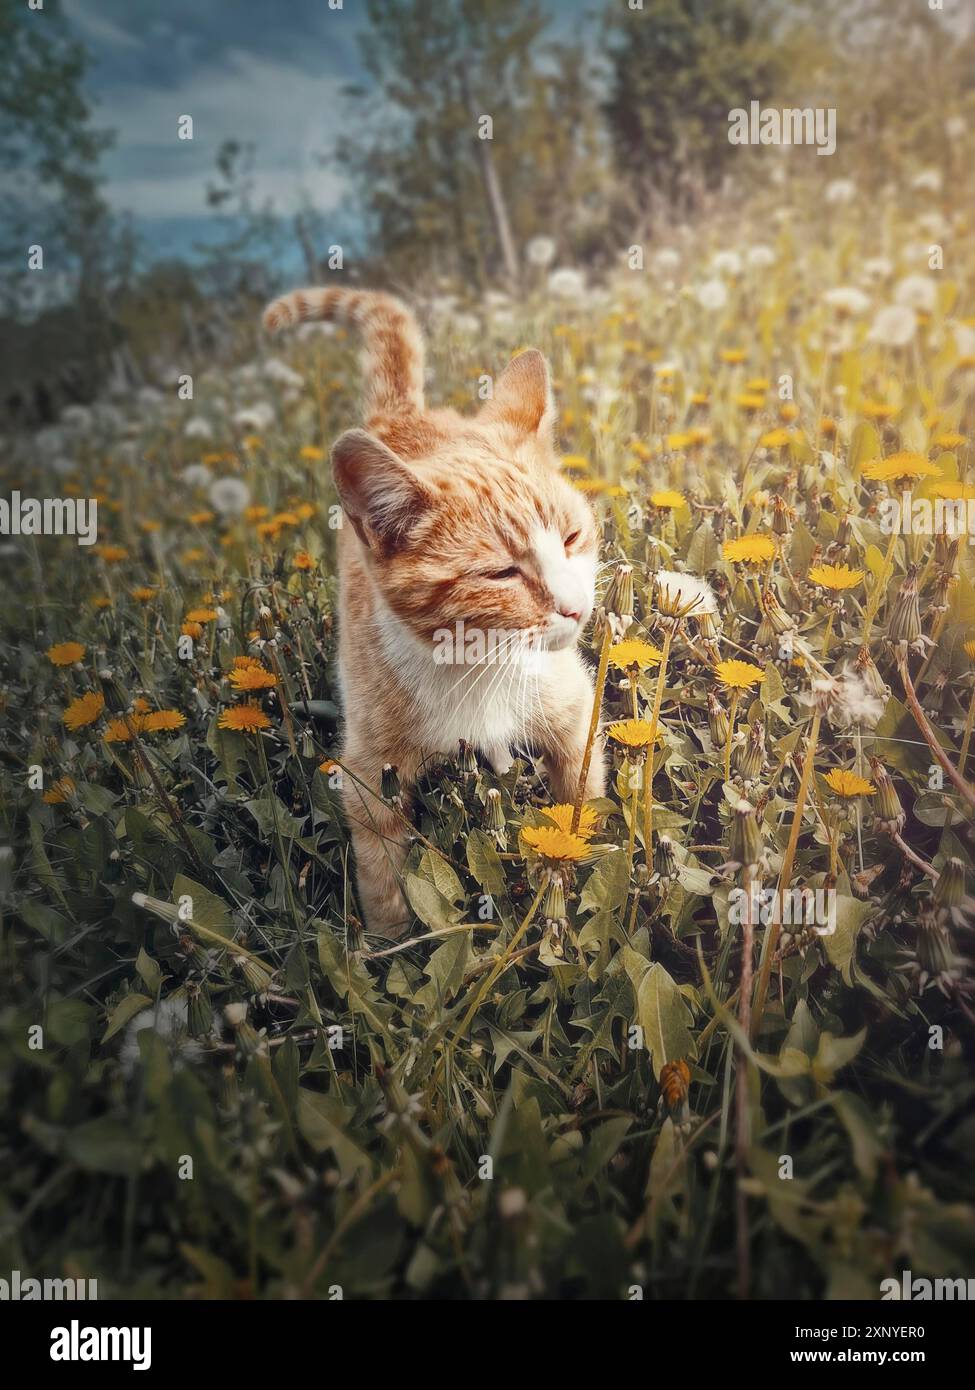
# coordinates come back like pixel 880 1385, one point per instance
pixel 493 191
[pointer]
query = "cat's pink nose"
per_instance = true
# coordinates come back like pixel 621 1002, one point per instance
pixel 568 613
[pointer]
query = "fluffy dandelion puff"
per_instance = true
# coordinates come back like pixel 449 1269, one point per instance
pixel 229 496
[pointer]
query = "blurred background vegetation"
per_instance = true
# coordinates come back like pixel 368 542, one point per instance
pixel 600 140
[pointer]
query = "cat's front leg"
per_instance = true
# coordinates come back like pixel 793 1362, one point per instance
pixel 380 840
pixel 562 730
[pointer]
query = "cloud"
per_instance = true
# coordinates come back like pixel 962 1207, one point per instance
pixel 291 117
pixel 96 27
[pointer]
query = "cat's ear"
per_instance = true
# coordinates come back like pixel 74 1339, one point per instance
pixel 380 495
pixel 523 395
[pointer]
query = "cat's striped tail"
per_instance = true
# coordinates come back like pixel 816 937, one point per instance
pixel 392 345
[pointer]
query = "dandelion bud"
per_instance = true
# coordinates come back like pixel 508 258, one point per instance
pixel 265 624
pixel 889 816
pixel 778 618
pixel 664 861
pixel 949 891
pixel 765 636
pixel 937 962
pixel 257 977
pixel 495 815
pixel 199 1014
pixel 865 667
pixel 167 911
pixel 717 721
pixel 746 837
pixel 780 517
pixel 944 582
pixel 843 531
pixel 116 697
pixel 389 787
pixel 553 907
pixel 751 756
pixel 468 759
pixel 904 624
pixel 248 1039
pixel 618 604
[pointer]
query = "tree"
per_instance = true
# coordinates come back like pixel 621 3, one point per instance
pixel 677 68
pixel 49 154
pixel 436 198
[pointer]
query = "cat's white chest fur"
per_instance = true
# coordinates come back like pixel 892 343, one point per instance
pixel 490 703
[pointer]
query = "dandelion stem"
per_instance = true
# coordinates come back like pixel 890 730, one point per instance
pixel 732 711
pixel 920 719
pixel 741 1094
pixel 771 938
pixel 597 701
pixel 658 699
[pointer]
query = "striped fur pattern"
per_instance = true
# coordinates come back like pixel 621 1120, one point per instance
pixel 457 524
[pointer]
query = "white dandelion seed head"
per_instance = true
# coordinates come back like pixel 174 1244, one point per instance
pixel 567 283
pixel 726 263
pixel 927 181
pixel 840 191
pixel 712 294
pixel 916 292
pixel 666 260
pixel 878 268
pixel 893 326
pixel 279 372
pixel 256 417
pixel 229 496
pixel 197 475
pixel 759 257
pixel 683 595
pixel 847 299
pixel 540 251
pixel 197 428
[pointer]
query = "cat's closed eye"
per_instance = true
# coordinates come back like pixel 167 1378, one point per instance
pixel 571 539
pixel 512 572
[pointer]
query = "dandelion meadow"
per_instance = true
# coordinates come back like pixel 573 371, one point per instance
pixel 585 1069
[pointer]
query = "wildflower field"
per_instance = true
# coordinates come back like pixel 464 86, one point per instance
pixel 599 1066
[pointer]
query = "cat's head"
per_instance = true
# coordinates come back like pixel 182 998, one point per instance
pixel 475 525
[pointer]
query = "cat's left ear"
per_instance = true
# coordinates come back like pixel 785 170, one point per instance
pixel 523 395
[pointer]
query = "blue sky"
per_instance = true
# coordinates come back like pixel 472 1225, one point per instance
pixel 266 71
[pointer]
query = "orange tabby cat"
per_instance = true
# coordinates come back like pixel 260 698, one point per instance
pixel 467 575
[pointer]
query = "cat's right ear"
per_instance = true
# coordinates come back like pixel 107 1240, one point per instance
pixel 380 494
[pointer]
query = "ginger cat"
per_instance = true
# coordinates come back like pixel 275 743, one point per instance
pixel 453 520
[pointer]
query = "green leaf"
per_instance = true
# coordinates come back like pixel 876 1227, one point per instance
pixel 429 904
pixel 149 971
pixel 660 1011
pixel 105 1145
pixel 835 1053
pixel 320 1119
pixel 209 910
pixel 840 945
pixel 607 885
pixel 273 818
pixel 441 875
pixel 124 1012
pixel 484 862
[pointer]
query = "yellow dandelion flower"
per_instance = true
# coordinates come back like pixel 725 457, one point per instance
pixel 328 765
pixel 900 466
pixel 246 718
pixel 699 398
pixel 749 550
pixel 164 721
pixel 835 576
pixel 303 561
pixel 143 594
pixel 65 653
pixel 592 487
pixel 304 511
pixel 733 356
pixel 788 411
pixel 759 383
pixel 668 500
pixel 58 792
pixel 878 410
pixel 268 530
pixel 555 844
pixel 194 630
pixel 955 492
pixel 849 784
pixel 200 518
pixel 252 441
pixel 101 601
pixel 194 556
pixel 201 615
pixel 827 427
pixel 150 526
pixel 85 710
pixel 111 554
pixel 285 519
pixel 256 677
pixel 626 655
pixel 750 401
pixel 255 513
pixel 574 463
pixel 738 675
pixel 561 817
pixel 682 440
pixel 633 733
pixel 950 439
pixel 311 453
pixel 777 439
